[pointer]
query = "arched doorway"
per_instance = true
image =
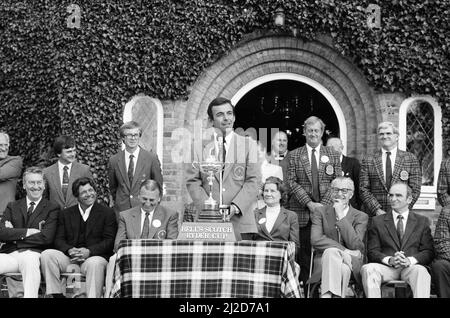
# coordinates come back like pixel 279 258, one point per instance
pixel 285 105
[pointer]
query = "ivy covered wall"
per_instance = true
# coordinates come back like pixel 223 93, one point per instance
pixel 55 79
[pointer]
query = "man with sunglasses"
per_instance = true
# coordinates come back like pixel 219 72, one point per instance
pixel 129 167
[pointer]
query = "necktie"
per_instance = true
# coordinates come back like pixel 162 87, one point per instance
pixel 131 169
pixel 400 227
pixel 65 181
pixel 30 210
pixel 388 169
pixel 315 177
pixel 146 228
pixel 222 149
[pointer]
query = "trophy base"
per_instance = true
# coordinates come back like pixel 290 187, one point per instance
pixel 210 215
pixel 207 231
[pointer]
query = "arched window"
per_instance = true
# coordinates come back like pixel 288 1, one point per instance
pixel 421 134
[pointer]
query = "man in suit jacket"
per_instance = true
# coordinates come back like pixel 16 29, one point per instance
pixel 84 236
pixel 350 168
pixel 337 236
pixel 279 152
pixel 399 246
pixel 240 174
pixel 61 175
pixel 310 183
pixel 385 167
pixel 440 268
pixel 10 170
pixel 27 227
pixel 275 223
pixel 150 220
pixel 129 167
pixel 443 187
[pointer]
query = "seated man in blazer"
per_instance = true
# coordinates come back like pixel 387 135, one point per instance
pixel 61 175
pixel 337 235
pixel 150 220
pixel 275 223
pixel 399 246
pixel 27 227
pixel 84 236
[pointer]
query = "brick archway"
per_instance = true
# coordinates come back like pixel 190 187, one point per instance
pixel 262 56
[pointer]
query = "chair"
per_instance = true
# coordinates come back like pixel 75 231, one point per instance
pixel 400 288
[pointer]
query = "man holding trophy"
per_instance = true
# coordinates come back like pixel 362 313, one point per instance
pixel 226 164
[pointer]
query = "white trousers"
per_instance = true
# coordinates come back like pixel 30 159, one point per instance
pixel 335 273
pixel 27 263
pixel 374 274
pixel 110 275
pixel 53 262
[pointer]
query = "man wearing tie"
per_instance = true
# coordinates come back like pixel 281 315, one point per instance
pixel 279 152
pixel 27 228
pixel 310 172
pixel 399 246
pixel 240 173
pixel 84 236
pixel 385 167
pixel 129 167
pixel 60 176
pixel 150 220
pixel 350 168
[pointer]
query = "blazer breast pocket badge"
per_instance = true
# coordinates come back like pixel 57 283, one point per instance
pixel 329 170
pixel 239 172
pixel 404 175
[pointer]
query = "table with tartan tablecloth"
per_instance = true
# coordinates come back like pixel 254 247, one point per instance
pixel 184 269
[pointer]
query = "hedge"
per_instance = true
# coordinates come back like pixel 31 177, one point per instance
pixel 55 79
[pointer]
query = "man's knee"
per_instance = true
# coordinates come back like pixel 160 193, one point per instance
pixel 440 265
pixel 95 262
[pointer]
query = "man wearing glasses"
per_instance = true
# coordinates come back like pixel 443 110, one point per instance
pixel 129 167
pixel 337 235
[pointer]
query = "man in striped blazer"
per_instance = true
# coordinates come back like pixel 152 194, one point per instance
pixel 385 167
pixel 443 187
pixel 311 169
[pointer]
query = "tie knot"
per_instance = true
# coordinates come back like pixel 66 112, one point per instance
pixel 400 217
pixel 147 214
pixel 32 203
pixel 314 150
pixel 131 156
pixel 66 168
pixel 388 153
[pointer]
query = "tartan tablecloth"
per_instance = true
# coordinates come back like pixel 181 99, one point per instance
pixel 184 269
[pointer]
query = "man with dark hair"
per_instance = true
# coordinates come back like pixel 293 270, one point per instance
pixel 84 236
pixel 150 220
pixel 240 174
pixel 10 170
pixel 350 168
pixel 399 246
pixel 311 169
pixel 61 174
pixel 129 167
pixel 385 167
pixel 27 227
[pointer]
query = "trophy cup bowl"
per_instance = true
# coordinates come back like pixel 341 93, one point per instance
pixel 212 211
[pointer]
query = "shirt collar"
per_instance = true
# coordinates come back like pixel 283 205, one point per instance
pixel 404 214
pixel 143 212
pixel 273 209
pixel 310 148
pixel 86 213
pixel 61 165
pixel 135 153
pixel 392 151
pixel 276 155
pixel 36 202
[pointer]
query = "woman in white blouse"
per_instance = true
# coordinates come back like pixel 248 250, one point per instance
pixel 274 222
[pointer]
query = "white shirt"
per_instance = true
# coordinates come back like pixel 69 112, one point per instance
pixel 383 159
pixel 127 158
pixel 405 215
pixel 317 153
pixel 35 204
pixel 150 217
pixel 218 143
pixel 345 213
pixel 61 170
pixel 278 157
pixel 85 214
pixel 271 216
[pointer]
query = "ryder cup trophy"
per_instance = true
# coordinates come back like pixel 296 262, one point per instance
pixel 213 222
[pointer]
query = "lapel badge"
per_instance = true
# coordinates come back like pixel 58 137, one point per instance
pixel 238 172
pixel 343 173
pixel 324 159
pixel 329 170
pixel 262 220
pixel 404 175
pixel 156 223
pixel 161 234
pixel 305 158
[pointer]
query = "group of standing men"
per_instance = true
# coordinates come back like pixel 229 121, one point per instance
pixel 85 230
